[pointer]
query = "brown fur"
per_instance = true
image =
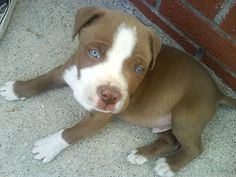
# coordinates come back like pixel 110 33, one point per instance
pixel 174 83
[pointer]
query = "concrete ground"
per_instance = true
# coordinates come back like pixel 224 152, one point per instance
pixel 38 39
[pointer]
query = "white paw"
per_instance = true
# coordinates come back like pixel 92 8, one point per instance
pixel 8 93
pixel 48 148
pixel 162 169
pixel 135 158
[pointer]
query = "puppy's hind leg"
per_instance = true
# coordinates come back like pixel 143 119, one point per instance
pixel 165 143
pixel 188 123
pixel 19 90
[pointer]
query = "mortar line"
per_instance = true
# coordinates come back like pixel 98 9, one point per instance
pixel 220 16
pixel 208 21
pixel 167 22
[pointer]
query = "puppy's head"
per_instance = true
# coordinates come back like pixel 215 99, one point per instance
pixel 115 52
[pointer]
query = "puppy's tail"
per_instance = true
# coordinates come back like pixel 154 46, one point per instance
pixel 227 101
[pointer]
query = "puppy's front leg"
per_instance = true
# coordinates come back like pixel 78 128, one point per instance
pixel 18 90
pixel 49 147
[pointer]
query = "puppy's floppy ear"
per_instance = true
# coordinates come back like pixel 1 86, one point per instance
pixel 85 16
pixel 155 47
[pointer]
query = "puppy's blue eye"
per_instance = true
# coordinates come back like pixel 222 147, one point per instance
pixel 94 53
pixel 139 69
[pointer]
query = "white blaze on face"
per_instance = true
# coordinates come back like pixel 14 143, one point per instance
pixel 122 48
pixel 106 72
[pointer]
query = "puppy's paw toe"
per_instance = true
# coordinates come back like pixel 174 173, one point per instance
pixel 48 148
pixel 135 158
pixel 7 91
pixel 162 169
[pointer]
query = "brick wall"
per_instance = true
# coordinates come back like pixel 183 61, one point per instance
pixel 204 28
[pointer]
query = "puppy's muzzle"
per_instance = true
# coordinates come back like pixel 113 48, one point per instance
pixel 108 97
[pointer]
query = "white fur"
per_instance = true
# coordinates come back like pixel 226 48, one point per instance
pixel 8 93
pixel 48 148
pixel 106 72
pixel 135 158
pixel 162 169
pixel 164 124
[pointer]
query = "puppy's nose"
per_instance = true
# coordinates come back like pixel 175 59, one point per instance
pixel 109 94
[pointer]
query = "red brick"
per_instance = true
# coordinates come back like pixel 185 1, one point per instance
pixel 152 2
pixel 161 24
pixel 227 77
pixel 200 32
pixel 207 7
pixel 229 23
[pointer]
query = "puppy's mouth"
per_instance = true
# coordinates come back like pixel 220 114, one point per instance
pixel 105 106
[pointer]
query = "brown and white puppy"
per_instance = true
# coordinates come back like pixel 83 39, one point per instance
pixel 121 68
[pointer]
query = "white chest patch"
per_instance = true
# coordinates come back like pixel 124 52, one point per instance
pixel 108 72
